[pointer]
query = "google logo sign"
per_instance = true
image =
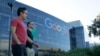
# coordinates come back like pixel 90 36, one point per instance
pixel 49 24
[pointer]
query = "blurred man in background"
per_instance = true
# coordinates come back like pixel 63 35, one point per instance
pixel 31 26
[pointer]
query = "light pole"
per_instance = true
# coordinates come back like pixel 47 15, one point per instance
pixel 9 47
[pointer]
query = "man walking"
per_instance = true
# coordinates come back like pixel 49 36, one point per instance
pixel 31 26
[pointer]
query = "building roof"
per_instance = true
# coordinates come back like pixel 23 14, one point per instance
pixel 76 23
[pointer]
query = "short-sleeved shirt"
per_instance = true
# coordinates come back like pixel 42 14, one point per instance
pixel 34 33
pixel 21 31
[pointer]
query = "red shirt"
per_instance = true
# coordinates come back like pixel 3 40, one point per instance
pixel 21 30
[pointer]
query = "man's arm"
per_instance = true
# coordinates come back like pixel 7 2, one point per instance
pixel 14 36
pixel 31 41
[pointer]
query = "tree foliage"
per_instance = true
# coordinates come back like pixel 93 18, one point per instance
pixel 95 27
pixel 93 51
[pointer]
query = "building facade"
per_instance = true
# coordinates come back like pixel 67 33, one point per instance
pixel 51 31
pixel 77 38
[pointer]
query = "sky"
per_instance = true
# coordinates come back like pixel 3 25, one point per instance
pixel 70 10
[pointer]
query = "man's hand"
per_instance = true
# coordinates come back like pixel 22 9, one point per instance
pixel 36 45
pixel 18 43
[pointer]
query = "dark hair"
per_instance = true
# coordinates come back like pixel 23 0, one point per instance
pixel 20 9
pixel 28 23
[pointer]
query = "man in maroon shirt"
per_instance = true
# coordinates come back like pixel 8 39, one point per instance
pixel 19 33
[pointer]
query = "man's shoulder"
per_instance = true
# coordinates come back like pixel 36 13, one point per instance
pixel 15 19
pixel 28 30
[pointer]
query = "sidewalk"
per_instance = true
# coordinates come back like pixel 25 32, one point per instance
pixel 4 47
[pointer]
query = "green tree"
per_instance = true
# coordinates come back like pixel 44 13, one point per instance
pixel 95 27
pixel 80 52
pixel 96 50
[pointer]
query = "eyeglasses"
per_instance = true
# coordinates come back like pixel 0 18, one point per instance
pixel 25 12
pixel 32 24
